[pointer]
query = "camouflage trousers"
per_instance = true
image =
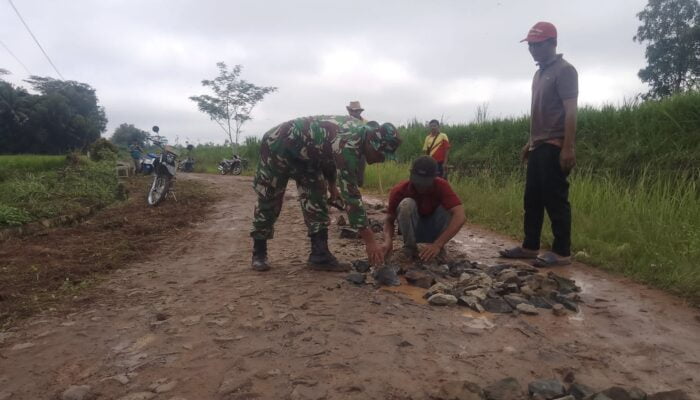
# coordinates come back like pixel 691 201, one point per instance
pixel 270 184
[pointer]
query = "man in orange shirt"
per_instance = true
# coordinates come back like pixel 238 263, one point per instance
pixel 437 146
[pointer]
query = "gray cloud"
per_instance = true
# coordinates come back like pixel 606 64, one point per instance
pixel 401 59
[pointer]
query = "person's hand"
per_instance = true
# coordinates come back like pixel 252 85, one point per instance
pixel 429 252
pixel 567 159
pixel 375 254
pixel 334 194
pixel 524 153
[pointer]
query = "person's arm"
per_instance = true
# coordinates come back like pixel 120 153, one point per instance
pixel 458 219
pixel 567 158
pixel 345 161
pixel 447 153
pixel 375 252
pixel 388 233
pixel 329 174
pixel 525 151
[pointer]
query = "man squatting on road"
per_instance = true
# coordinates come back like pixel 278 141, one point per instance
pixel 427 210
pixel 302 149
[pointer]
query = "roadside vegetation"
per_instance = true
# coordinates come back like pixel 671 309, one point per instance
pixel 635 194
pixel 37 187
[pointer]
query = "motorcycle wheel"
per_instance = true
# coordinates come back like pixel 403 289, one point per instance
pixel 237 169
pixel 222 171
pixel 159 188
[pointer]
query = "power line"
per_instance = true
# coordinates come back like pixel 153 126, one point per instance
pixel 15 57
pixel 35 39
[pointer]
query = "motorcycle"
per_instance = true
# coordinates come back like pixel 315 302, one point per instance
pixel 186 165
pixel 233 166
pixel 164 167
pixel 147 163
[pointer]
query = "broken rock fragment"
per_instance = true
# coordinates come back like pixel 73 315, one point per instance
pixel 548 389
pixel 419 278
pixel 441 299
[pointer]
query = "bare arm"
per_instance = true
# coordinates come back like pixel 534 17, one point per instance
pixel 458 219
pixel 388 233
pixel 567 158
pixel 375 252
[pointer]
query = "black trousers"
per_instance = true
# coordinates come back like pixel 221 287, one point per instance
pixel 546 188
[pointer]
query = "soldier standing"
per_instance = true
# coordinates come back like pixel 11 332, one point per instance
pixel 302 149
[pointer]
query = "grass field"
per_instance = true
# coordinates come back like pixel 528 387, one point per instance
pixel 37 187
pixel 27 163
pixel 660 135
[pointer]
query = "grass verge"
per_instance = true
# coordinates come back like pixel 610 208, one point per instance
pixel 40 187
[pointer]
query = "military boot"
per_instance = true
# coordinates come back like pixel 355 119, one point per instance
pixel 321 258
pixel 260 255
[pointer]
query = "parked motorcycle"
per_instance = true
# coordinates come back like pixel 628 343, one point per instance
pixel 186 165
pixel 233 166
pixel 164 167
pixel 147 163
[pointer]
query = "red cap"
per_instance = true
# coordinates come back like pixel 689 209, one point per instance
pixel 541 32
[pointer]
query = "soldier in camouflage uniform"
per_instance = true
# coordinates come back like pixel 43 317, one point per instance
pixel 303 149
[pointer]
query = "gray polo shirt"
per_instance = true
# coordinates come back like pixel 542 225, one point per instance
pixel 553 83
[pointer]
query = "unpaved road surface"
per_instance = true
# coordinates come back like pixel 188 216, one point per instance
pixel 195 322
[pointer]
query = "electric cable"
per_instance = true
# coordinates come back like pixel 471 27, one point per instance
pixel 35 39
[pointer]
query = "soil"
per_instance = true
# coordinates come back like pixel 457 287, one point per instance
pixel 59 263
pixel 193 321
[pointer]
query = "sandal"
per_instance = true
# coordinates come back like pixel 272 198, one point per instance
pixel 550 259
pixel 518 252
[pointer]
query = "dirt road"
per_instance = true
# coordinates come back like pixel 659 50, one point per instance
pixel 197 323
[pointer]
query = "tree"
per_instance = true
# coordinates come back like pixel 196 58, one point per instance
pixel 671 29
pixel 15 110
pixel 68 112
pixel 63 116
pixel 127 134
pixel 232 102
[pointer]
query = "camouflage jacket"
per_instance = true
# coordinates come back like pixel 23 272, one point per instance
pixel 323 142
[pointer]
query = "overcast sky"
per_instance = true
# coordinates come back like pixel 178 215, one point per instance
pixel 400 59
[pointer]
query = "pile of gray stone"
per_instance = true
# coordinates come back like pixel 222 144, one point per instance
pixel 499 288
pixel 545 389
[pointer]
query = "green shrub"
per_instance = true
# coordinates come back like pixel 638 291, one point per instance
pixel 11 216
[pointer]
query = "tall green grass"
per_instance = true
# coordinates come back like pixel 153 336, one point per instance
pixel 646 227
pixel 662 135
pixel 28 196
pixel 24 163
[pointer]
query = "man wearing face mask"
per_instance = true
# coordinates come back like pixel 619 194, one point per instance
pixel 549 152
pixel 427 211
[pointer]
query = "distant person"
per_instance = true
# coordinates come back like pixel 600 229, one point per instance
pixel 355 110
pixel 550 151
pixel 302 149
pixel 136 152
pixel 437 145
pixel 427 211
